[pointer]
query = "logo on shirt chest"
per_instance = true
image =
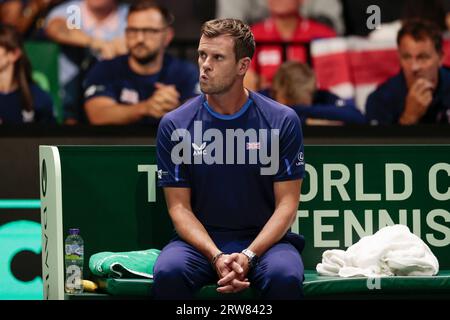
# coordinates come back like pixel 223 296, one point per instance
pixel 129 96
pixel 199 150
pixel 27 116
pixel 232 146
pixel 253 146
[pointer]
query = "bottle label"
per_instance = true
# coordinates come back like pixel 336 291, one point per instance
pixel 74 249
pixel 74 278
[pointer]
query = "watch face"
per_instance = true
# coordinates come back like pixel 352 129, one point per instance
pixel 252 258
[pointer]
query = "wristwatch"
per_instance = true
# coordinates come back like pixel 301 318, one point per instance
pixel 251 256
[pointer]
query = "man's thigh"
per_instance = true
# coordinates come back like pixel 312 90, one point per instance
pixel 281 261
pixel 179 258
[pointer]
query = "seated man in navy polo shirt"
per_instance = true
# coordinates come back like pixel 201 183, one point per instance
pixel 146 84
pixel 420 93
pixel 231 203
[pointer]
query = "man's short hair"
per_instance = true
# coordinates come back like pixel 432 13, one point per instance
pixel 244 42
pixel 295 80
pixel 421 30
pixel 142 5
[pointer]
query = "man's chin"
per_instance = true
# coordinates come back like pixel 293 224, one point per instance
pixel 144 59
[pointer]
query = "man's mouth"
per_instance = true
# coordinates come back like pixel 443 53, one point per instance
pixel 140 46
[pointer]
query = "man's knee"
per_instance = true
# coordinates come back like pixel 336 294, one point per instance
pixel 282 279
pixel 286 275
pixel 171 280
pixel 169 268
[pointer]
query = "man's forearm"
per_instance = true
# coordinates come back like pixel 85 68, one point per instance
pixel 274 230
pixel 192 231
pixel 115 114
pixel 57 30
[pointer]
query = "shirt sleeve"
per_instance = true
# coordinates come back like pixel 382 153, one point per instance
pixel 59 11
pixel 347 113
pixel 98 83
pixel 377 109
pixel 291 155
pixel 43 107
pixel 170 173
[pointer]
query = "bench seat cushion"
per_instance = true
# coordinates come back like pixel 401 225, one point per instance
pixel 315 286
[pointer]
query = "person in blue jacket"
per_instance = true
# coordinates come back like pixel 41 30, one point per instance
pixel 231 163
pixel 21 101
pixel 295 85
pixel 420 92
pixel 145 84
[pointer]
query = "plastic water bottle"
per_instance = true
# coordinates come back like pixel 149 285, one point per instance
pixel 74 255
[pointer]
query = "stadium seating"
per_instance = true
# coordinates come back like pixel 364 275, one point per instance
pixel 352 67
pixel 44 60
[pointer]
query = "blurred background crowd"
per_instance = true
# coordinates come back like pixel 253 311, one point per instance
pixel 336 62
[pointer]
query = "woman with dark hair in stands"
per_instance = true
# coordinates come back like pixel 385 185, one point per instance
pixel 21 101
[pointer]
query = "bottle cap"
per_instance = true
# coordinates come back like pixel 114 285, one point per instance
pixel 74 231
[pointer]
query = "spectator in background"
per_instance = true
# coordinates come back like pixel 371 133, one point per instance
pixel 294 85
pixel 430 10
pixel 191 14
pixel 447 14
pixel 21 101
pixel 147 83
pixel 26 15
pixel 284 24
pixel 328 12
pixel 420 93
pixel 100 35
pixel 356 16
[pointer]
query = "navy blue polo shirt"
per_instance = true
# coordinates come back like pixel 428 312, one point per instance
pixel 386 104
pixel 11 107
pixel 228 194
pixel 115 79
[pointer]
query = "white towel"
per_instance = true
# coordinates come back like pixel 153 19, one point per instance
pixel 393 250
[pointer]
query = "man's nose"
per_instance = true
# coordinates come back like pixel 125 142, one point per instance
pixel 206 65
pixel 140 36
pixel 415 66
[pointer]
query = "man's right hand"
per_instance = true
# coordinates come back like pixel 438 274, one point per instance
pixel 164 99
pixel 104 49
pixel 419 98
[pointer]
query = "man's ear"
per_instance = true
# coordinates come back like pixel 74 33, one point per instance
pixel 244 65
pixel 170 33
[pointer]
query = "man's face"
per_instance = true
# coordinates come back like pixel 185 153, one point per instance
pixel 419 59
pixel 284 7
pixel 147 35
pixel 218 66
